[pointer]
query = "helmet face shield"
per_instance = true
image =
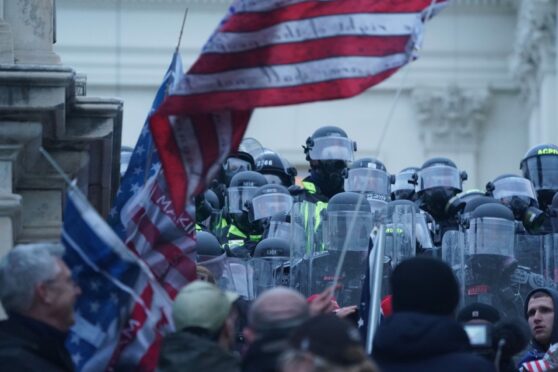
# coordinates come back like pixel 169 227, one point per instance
pixel 238 196
pixel 508 187
pixel 402 181
pixel 488 235
pixel 367 180
pixel 268 205
pixel 439 176
pixel 233 166
pixel 542 171
pixel 332 148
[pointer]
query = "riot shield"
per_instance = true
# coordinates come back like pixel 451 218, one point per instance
pixel 534 263
pixel 346 238
pixel 453 253
pixel 301 240
pixel 238 277
pixel 551 257
pixel 489 265
pixel 269 272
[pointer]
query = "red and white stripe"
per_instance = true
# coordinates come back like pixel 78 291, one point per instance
pixel 537 366
pixel 272 53
pixel 164 240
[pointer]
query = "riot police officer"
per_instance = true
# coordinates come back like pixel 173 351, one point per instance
pixel 369 176
pixel 540 166
pixel 404 185
pixel 242 234
pixel 439 180
pixel 275 168
pixel 270 264
pixel 328 151
pixel 518 194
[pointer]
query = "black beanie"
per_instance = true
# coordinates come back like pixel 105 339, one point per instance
pixel 424 285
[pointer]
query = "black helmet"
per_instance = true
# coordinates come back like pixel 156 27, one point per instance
pixel 518 194
pixel 457 204
pixel 242 188
pixel 369 176
pixel 275 168
pixel 404 184
pixel 206 204
pixel 492 210
pixel 440 172
pixel 329 143
pixel 207 245
pixel 540 165
pixel 272 247
pixel 438 180
pixel 236 162
pixel 268 201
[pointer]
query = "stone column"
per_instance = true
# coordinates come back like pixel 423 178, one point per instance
pixel 32 25
pixel 450 120
pixel 534 68
pixel 6 39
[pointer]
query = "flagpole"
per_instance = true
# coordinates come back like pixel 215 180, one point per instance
pixel 176 51
pixel 181 30
pixel 57 167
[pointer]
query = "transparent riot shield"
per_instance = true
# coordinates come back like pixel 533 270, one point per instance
pixel 400 237
pixel 534 263
pixel 453 253
pixel 551 258
pixel 238 276
pixel 490 264
pixel 216 265
pixel 343 260
pixel 269 272
pixel 301 241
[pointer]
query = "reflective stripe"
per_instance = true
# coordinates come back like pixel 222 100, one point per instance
pixel 309 186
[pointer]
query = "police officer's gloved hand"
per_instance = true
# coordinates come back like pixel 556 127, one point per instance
pixel 295 190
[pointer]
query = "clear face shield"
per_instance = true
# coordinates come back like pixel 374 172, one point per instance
pixel 332 148
pixel 402 181
pixel 508 187
pixel 215 264
pixel 268 205
pixel 369 181
pixel 350 229
pixel 439 176
pixel 237 198
pixel 493 236
pixel 269 272
pixel 542 171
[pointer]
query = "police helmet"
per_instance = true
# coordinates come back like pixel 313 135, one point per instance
pixel 329 143
pixel 269 200
pixel 440 173
pixel 242 188
pixel 404 184
pixel 540 165
pixel 275 168
pixel 207 245
pixel 370 176
pixel 272 247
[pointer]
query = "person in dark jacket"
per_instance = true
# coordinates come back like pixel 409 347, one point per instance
pixel 540 313
pixel 205 318
pixel 422 334
pixel 38 294
pixel 271 320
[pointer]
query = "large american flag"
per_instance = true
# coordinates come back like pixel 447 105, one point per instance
pixel 123 312
pixel 272 53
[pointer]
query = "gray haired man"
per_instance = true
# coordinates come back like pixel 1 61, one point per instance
pixel 38 293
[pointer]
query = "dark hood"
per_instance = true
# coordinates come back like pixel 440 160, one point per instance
pixel 554 295
pixel 407 336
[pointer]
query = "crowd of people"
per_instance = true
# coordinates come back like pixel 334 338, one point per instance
pixel 285 270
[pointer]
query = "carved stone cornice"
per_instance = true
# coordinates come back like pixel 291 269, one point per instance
pixel 451 116
pixel 535 47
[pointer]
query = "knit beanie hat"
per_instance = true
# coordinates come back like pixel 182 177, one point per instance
pixel 424 285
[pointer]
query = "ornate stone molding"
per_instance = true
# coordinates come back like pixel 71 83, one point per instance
pixel 535 48
pixel 451 116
